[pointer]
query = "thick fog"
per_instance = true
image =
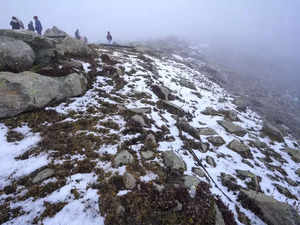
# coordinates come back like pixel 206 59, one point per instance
pixel 266 31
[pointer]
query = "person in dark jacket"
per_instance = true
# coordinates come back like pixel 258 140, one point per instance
pixel 77 35
pixel 14 23
pixel 30 26
pixel 109 37
pixel 38 25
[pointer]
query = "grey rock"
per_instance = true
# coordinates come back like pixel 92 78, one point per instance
pixel 138 120
pixel 129 180
pixel 182 124
pixel 173 161
pixel 285 191
pixel 26 91
pixel 178 207
pixel 241 104
pixel 240 148
pixel 162 92
pixel 147 155
pixel 190 181
pixel 74 47
pixel 209 111
pixel 186 83
pixel 219 217
pixel 142 110
pixel 207 131
pixel 150 142
pixel 298 172
pixel 200 172
pixel 31 38
pixel 271 211
pixel 15 55
pixel 273 132
pixel 43 175
pixel 291 182
pixel 229 181
pixel 171 108
pixel 54 32
pixel 294 153
pixel 204 147
pixel 245 174
pixel 216 140
pixel 232 128
pixel 230 115
pixel 123 158
pixel 210 160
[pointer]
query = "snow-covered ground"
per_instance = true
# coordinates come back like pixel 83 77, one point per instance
pixel 172 73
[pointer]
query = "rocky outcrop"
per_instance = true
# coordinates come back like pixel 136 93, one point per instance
pixel 27 91
pixel 56 33
pixel 173 161
pixel 15 55
pixel 273 132
pixel 232 128
pixel 33 39
pixel 73 47
pixel 268 209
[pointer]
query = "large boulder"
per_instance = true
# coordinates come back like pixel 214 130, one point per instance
pixel 162 92
pixel 73 47
pixel 273 132
pixel 240 148
pixel 183 124
pixel 33 39
pixel 171 108
pixel 173 161
pixel 232 128
pixel 15 55
pixel 268 209
pixel 26 91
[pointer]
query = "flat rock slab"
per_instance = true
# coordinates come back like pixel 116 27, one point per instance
pixel 270 210
pixel 207 131
pixel 171 108
pixel 240 148
pixel 232 128
pixel 216 140
pixel 43 175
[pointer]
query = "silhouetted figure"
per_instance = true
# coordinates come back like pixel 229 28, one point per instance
pixel 77 35
pixel 85 40
pixel 14 23
pixel 20 23
pixel 109 38
pixel 30 26
pixel 38 25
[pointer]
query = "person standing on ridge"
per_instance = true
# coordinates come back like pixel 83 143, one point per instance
pixel 30 26
pixel 77 35
pixel 14 23
pixel 109 37
pixel 20 23
pixel 38 25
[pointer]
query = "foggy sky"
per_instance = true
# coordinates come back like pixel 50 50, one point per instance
pixel 269 29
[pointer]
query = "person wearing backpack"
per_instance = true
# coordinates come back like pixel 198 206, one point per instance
pixel 30 26
pixel 77 35
pixel 20 23
pixel 14 23
pixel 38 25
pixel 109 38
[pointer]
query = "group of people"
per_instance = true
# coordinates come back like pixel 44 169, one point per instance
pixel 17 24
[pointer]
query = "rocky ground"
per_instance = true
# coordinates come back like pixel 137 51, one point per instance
pixel 153 141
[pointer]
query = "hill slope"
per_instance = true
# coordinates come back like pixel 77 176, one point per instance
pixel 141 147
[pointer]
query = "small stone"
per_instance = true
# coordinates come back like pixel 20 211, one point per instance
pixel 150 142
pixel 123 158
pixel 243 174
pixel 207 131
pixel 129 181
pixel 216 140
pixel 210 160
pixel 138 120
pixel 147 155
pixel 190 181
pixel 240 148
pixel 44 174
pixel 178 207
pixel 173 161
pixel 200 172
